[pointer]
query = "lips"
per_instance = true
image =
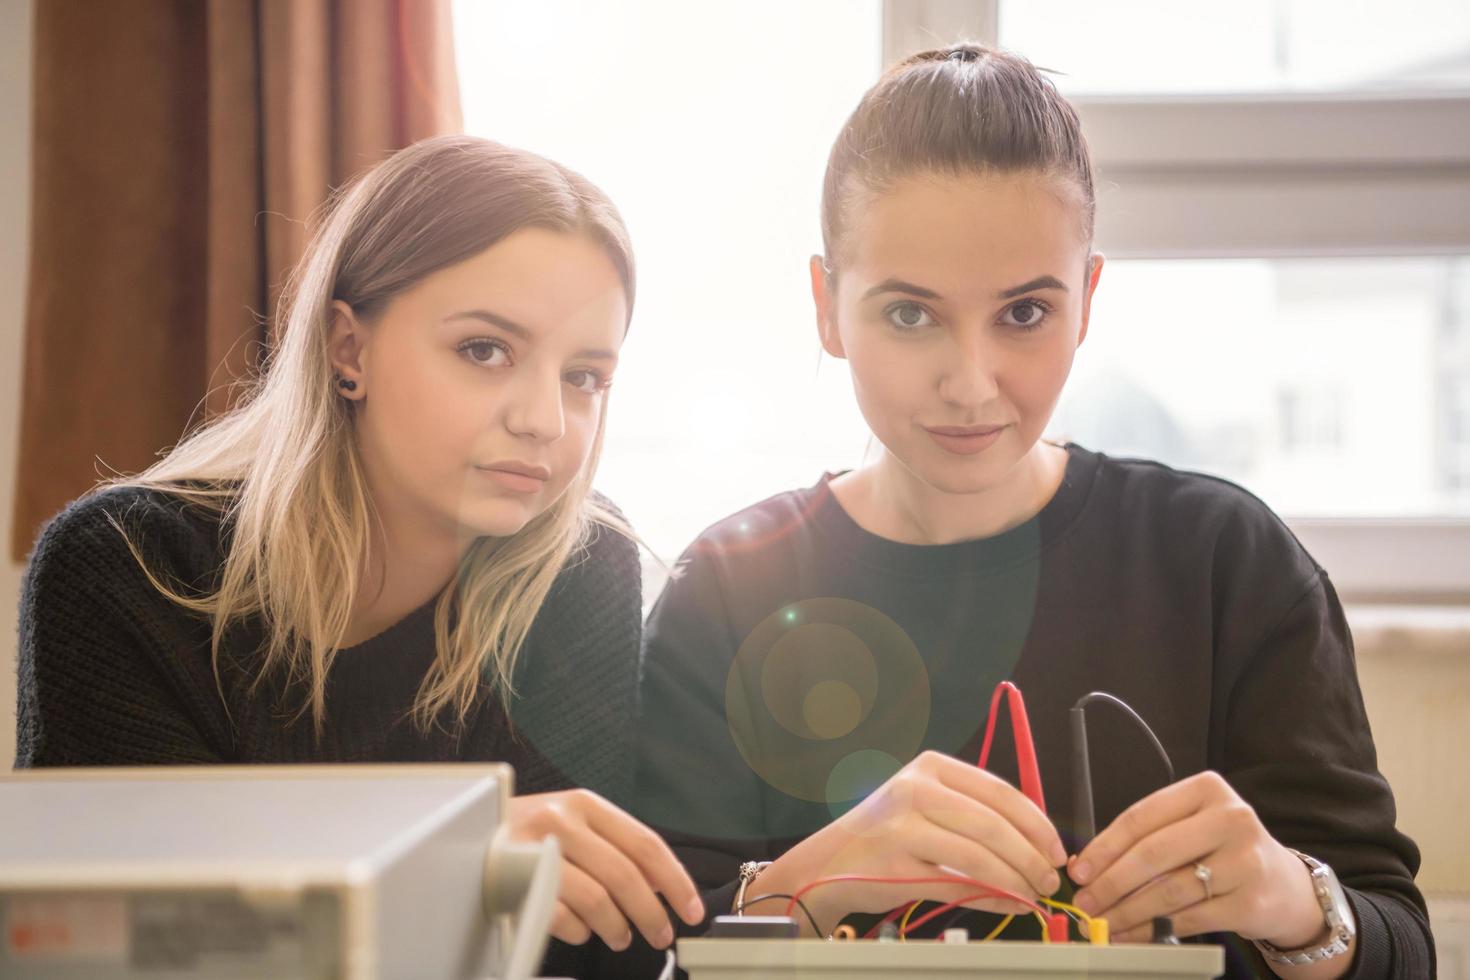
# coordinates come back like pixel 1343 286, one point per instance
pixel 963 430
pixel 515 476
pixel 514 466
pixel 965 440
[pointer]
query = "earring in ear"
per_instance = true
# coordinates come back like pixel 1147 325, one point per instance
pixel 346 384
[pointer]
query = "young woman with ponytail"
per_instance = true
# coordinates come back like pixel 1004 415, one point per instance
pixel 817 672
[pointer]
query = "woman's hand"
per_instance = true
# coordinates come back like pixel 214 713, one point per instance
pixel 613 869
pixel 1145 864
pixel 935 814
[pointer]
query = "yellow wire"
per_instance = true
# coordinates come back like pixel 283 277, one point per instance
pixel 1045 937
pixel 998 929
pixel 1063 906
pixel 904 925
pixel 1050 903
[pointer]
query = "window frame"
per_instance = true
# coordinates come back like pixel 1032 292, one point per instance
pixel 1271 175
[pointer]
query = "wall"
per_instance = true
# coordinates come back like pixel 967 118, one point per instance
pixel 15 150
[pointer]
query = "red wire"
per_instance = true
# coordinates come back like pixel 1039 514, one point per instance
pixel 949 907
pixel 1025 747
pixel 990 724
pixel 991 891
pixel 894 914
pixel 1030 773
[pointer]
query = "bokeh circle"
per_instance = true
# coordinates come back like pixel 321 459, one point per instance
pixel 824 697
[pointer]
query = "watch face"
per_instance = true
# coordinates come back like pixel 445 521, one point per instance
pixel 1340 913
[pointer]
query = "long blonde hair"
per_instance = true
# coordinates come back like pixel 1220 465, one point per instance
pixel 282 470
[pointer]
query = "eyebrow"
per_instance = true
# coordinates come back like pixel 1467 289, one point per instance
pixel 511 327
pixel 1040 282
pixel 900 286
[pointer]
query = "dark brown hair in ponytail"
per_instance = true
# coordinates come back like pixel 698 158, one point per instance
pixel 954 111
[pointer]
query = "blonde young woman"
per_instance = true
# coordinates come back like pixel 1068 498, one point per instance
pixel 391 552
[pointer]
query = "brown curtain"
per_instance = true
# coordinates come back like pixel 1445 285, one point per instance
pixel 180 148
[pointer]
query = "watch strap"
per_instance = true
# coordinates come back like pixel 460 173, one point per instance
pixel 1338 926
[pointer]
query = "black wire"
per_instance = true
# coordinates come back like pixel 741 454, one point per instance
pixel 1087 699
pixel 761 898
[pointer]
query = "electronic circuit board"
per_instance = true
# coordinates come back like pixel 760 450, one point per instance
pixel 821 959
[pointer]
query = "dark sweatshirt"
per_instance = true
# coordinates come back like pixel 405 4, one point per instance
pixel 796 660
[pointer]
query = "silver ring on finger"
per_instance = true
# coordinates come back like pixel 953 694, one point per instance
pixel 1205 876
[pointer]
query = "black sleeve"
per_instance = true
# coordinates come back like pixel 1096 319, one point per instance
pixel 88 689
pixel 693 783
pixel 1296 745
pixel 577 687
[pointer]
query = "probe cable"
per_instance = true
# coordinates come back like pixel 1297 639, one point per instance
pixel 1084 817
pixel 1030 774
pixel 1025 747
pixel 761 898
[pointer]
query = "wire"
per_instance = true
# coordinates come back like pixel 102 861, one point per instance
pixel 903 927
pixel 761 898
pixel 1118 702
pixel 1025 747
pixel 1030 776
pixel 958 914
pixel 1084 817
pixel 970 898
pixel 1082 920
pixel 667 973
pixel 990 891
pixel 1077 914
pixel 893 913
pixel 1030 785
pixel 998 929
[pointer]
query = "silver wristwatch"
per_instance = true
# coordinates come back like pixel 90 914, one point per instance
pixel 1337 914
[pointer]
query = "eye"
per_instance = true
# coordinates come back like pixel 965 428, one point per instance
pixel 587 381
pixel 485 352
pixel 1027 314
pixel 908 315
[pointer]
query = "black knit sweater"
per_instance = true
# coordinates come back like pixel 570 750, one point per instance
pixel 111 672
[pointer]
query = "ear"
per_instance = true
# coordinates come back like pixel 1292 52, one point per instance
pixel 1094 272
pixel 825 304
pixel 347 350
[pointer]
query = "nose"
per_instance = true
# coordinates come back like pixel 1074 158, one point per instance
pixel 967 376
pixel 533 407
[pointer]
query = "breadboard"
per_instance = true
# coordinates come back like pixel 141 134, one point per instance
pixel 820 959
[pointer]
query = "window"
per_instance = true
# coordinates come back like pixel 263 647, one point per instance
pixel 1329 387
pixel 713 144
pixel 1284 220
pixel 1170 48
pixel 1281 192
